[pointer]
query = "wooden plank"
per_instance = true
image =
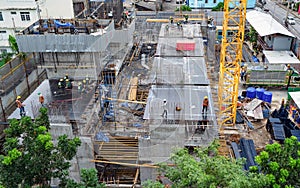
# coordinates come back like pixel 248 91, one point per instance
pixel 133 89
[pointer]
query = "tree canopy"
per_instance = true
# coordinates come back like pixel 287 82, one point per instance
pixel 204 168
pixel 31 157
pixel 281 163
pixel 89 179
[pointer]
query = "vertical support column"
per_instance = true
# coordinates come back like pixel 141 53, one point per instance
pixel 27 81
pixel 3 111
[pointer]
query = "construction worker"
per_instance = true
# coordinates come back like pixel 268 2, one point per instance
pixel 66 77
pixel 79 87
pixel 171 19
pixel 68 84
pixel 61 84
pixel 165 113
pixel 186 17
pixel 41 99
pixel 87 79
pixel 205 105
pixel 20 105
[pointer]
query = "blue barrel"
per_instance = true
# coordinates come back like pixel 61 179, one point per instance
pixel 251 93
pixel 260 93
pixel 267 96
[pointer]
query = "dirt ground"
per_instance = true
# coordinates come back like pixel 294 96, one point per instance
pixel 259 134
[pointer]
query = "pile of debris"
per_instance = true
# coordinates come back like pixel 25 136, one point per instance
pixel 252 111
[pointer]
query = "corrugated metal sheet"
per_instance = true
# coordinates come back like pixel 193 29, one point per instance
pixel 296 133
pixel 265 24
pixel 235 149
pixel 278 131
pixel 248 152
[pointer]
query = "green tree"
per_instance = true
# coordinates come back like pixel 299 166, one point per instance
pixel 205 169
pixel 281 163
pixel 31 157
pixel 252 35
pixel 89 179
pixel 13 44
pixel 218 7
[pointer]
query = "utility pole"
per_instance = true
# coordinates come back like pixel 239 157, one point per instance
pixel 288 10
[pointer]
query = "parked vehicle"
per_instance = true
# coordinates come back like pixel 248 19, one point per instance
pixel 290 20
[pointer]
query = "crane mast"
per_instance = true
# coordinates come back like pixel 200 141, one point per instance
pixel 230 58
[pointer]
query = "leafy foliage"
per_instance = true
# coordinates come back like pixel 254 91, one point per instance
pixel 204 168
pixel 89 179
pixel 219 7
pixel 281 163
pixel 184 8
pixel 13 44
pixel 31 158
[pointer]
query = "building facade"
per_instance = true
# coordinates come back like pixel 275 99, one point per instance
pixel 16 15
pixel 213 3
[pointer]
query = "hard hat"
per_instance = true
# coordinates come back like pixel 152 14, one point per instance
pixel 83 81
pixel 61 80
pixel 165 100
pixel 79 83
pixel 205 97
pixel 39 93
pixel 18 97
pixel 67 80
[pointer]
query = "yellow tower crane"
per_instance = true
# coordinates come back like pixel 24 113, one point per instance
pixel 230 58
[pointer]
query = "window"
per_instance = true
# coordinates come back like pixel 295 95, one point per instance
pixel 13 13
pixel 2 32
pixel 230 33
pixel 206 1
pixel 215 1
pixel 25 16
pixel 1 17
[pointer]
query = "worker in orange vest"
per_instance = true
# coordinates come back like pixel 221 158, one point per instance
pixel 20 105
pixel 41 99
pixel 205 104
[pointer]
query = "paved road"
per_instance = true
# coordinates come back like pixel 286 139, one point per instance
pixel 279 14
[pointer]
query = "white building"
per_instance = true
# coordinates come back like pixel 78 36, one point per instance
pixel 16 15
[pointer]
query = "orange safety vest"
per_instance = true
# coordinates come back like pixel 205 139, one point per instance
pixel 19 104
pixel 205 102
pixel 41 99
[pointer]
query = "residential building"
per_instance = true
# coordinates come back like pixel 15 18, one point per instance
pixel 271 34
pixel 213 3
pixel 16 15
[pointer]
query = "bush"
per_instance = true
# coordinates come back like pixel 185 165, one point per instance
pixel 184 8
pixel 219 7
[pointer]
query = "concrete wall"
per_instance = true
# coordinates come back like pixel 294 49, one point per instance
pixel 84 153
pixel 57 9
pixel 282 43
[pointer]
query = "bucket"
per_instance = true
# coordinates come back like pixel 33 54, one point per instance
pixel 260 93
pixel 267 97
pixel 251 93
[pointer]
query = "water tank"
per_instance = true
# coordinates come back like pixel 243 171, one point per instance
pixel 267 97
pixel 251 93
pixel 260 93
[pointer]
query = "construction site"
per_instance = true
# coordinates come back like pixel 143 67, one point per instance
pixel 133 89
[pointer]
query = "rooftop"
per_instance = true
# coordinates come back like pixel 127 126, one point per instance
pixel 281 57
pixel 265 24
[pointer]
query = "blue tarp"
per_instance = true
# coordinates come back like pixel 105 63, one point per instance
pixel 248 152
pixel 59 24
pixel 101 137
pixel 278 131
pixel 255 59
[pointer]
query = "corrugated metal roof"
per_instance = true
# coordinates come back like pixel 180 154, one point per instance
pixel 295 97
pixel 265 25
pixel 278 132
pixel 281 57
